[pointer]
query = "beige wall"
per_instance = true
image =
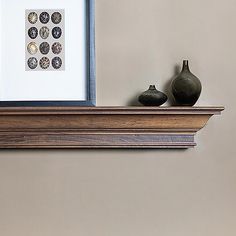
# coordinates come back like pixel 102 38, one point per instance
pixel 141 193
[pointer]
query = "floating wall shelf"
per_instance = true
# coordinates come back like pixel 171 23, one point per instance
pixel 102 127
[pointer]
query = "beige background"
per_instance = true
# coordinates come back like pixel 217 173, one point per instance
pixel 139 193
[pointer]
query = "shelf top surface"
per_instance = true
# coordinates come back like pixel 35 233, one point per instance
pixel 206 110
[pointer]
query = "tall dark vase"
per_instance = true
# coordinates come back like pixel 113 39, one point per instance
pixel 186 87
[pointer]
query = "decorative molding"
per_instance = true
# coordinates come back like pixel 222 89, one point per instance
pixel 102 127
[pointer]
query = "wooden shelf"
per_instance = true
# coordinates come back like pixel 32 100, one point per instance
pixel 102 127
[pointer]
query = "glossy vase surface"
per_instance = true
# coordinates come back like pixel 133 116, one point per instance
pixel 152 97
pixel 186 87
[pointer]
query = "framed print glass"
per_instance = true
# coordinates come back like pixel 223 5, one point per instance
pixel 47 53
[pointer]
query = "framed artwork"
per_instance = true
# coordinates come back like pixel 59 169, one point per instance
pixel 47 53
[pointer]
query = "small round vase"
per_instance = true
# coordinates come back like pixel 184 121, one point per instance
pixel 186 87
pixel 152 97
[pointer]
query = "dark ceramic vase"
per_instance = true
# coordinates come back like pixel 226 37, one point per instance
pixel 152 97
pixel 186 87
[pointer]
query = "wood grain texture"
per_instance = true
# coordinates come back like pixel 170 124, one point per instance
pixel 102 127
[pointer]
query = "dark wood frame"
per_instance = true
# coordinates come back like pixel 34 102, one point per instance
pixel 91 74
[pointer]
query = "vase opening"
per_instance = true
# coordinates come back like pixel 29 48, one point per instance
pixel 152 87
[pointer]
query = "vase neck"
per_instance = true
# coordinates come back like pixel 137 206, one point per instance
pixel 185 66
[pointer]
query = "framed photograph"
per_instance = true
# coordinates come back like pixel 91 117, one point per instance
pixel 47 53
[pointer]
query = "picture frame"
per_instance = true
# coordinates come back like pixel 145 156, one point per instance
pixel 85 83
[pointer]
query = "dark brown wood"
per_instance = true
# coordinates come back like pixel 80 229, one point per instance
pixel 102 127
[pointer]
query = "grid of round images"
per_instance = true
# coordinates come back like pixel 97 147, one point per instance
pixel 45 40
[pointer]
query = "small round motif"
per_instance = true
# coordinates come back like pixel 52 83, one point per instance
pixel 44 48
pixel 44 32
pixel 32 48
pixel 56 32
pixel 56 62
pixel 56 48
pixel 33 33
pixel 56 17
pixel 44 63
pixel 33 17
pixel 32 63
pixel 44 17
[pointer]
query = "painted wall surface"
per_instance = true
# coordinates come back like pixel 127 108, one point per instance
pixel 133 192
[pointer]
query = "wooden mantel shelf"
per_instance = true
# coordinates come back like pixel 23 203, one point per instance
pixel 102 127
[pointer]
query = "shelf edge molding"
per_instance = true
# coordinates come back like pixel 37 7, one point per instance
pixel 102 127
